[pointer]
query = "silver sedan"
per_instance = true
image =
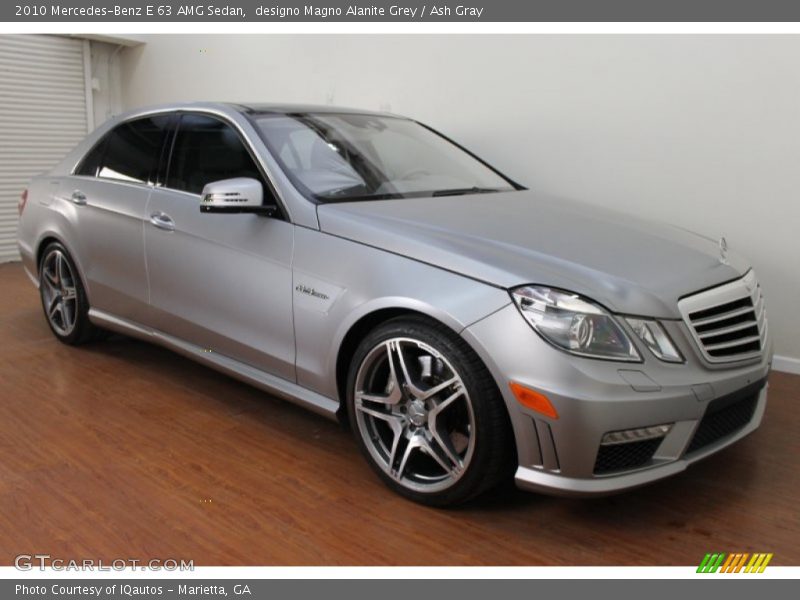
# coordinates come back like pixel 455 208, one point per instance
pixel 371 269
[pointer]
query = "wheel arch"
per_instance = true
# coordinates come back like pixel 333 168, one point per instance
pixel 367 322
pixel 356 332
pixel 47 239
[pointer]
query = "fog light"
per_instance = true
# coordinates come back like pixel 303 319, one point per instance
pixel 635 435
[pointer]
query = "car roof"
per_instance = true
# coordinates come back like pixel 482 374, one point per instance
pixel 261 107
pixel 252 108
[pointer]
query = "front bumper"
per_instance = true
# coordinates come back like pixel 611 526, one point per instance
pixel 593 397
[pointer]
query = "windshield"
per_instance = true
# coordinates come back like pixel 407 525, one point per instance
pixel 338 157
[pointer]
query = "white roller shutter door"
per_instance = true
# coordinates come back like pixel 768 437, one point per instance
pixel 43 114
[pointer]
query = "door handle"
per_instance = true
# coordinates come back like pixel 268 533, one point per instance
pixel 78 197
pixel 162 221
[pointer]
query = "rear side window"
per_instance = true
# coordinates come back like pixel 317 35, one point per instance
pixel 130 152
pixel 206 150
pixel 91 162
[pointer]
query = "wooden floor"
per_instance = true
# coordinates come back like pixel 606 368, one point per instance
pixel 121 449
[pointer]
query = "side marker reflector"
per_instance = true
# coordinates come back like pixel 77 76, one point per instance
pixel 534 400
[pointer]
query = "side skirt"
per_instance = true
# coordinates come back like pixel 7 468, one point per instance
pixel 288 390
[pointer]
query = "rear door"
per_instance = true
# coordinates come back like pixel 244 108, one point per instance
pixel 109 194
pixel 219 281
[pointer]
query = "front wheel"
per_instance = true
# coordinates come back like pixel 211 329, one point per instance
pixel 427 414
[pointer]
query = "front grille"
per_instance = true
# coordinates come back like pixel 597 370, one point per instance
pixel 728 322
pixel 624 457
pixel 725 416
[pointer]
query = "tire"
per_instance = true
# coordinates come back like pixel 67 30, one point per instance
pixel 433 425
pixel 63 296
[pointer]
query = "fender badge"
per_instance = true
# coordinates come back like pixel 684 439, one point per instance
pixel 304 289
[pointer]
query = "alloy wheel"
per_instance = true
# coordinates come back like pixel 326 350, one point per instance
pixel 414 414
pixel 59 293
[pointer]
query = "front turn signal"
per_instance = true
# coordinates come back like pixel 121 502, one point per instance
pixel 534 400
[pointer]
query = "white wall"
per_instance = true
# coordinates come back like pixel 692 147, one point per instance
pixel 699 131
pixel 107 98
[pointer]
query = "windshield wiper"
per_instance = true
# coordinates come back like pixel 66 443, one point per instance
pixel 358 197
pixel 463 191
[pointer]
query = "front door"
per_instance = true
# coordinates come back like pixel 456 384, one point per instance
pixel 220 281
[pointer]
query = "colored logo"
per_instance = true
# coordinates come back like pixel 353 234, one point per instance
pixel 734 562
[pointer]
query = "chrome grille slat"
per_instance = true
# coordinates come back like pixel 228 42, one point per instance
pixel 739 342
pixel 722 317
pixel 737 333
pixel 731 329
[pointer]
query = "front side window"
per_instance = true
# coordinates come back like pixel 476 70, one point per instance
pixel 336 157
pixel 130 152
pixel 205 150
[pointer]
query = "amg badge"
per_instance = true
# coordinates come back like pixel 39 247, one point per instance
pixel 304 289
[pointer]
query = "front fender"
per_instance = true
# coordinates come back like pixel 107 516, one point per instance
pixel 337 283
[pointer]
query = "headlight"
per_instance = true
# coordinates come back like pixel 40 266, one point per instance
pixel 656 339
pixel 574 324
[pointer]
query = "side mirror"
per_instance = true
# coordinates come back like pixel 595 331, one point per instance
pixel 238 195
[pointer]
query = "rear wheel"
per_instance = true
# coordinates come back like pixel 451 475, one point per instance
pixel 427 414
pixel 64 298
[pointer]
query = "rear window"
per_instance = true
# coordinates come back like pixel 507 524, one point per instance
pixel 91 162
pixel 130 152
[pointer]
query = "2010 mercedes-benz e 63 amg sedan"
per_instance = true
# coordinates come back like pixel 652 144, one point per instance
pixel 370 269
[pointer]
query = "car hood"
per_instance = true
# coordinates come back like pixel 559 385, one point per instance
pixel 629 265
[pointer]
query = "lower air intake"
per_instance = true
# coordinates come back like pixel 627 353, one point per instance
pixel 624 457
pixel 725 416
